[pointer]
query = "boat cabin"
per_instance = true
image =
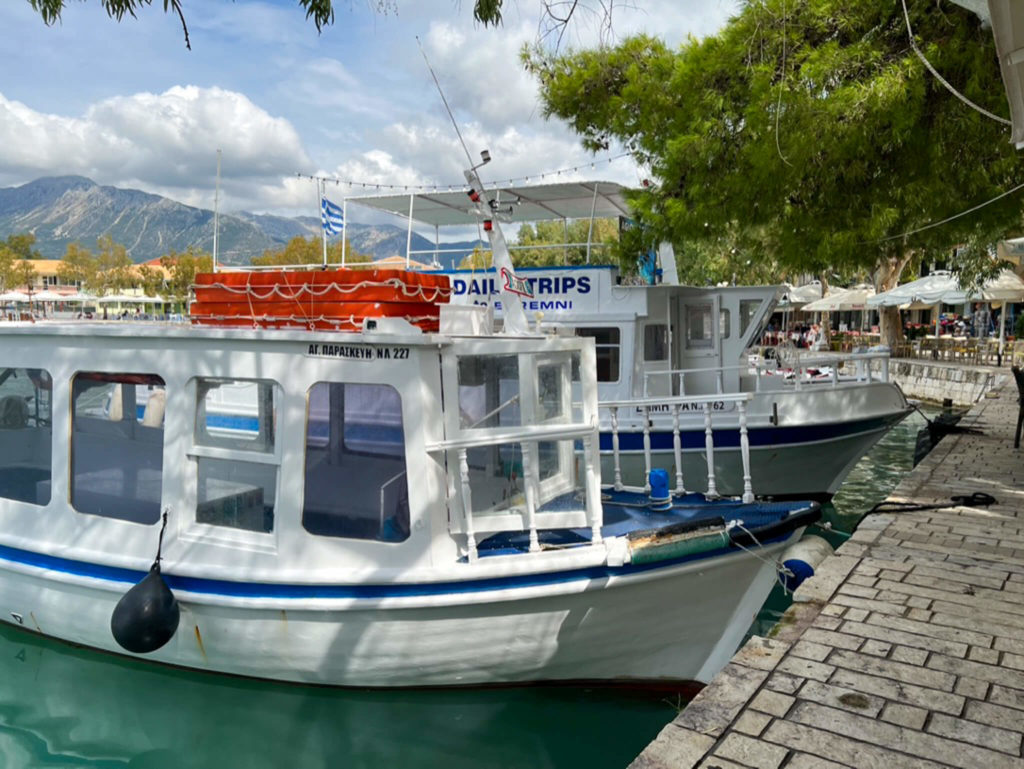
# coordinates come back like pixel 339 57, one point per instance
pixel 296 455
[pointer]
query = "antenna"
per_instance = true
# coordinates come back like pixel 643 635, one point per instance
pixel 216 220
pixel 458 133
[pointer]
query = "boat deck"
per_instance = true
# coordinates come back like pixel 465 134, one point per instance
pixel 904 650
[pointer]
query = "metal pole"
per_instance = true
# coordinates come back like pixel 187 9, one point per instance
pixel 408 236
pixel 590 229
pixel 323 229
pixel 216 210
pixel 344 228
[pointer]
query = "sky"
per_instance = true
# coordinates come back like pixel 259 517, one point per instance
pixel 126 104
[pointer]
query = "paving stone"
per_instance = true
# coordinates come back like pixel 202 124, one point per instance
pixel 805 668
pixel 978 578
pixel 751 722
pixel 883 607
pixel 994 715
pixel 990 673
pixel 917 602
pixel 856 590
pixel 988 656
pixel 864 570
pixel 807 761
pixel 720 702
pixel 841 749
pixel 909 655
pixel 833 610
pixel 876 648
pixel 674 748
pixel 829 638
pixel 826 622
pixel 842 698
pixel 861 580
pixel 761 653
pixel 922 615
pixel 826 579
pixel 904 715
pixel 717 762
pixel 964 730
pixel 909 624
pixel 773 703
pixel 943 702
pixel 894 636
pixel 891 575
pixel 911 674
pixel 784 683
pixel 1005 644
pixel 1003 695
pixel 811 651
pixel 971 687
pixel 915 743
pixel 751 752
pixel 857 615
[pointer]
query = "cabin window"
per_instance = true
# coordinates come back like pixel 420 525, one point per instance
pixel 26 442
pixel 234 440
pixel 606 344
pixel 724 324
pixel 117 445
pixel 655 342
pixel 355 479
pixel 748 309
pixel 698 326
pixel 489 391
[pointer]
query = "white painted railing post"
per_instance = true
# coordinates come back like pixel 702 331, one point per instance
pixel 748 490
pixel 709 446
pixel 594 510
pixel 885 368
pixel 615 447
pixel 682 383
pixel 720 381
pixel 467 505
pixel 647 450
pixel 677 448
pixel 531 501
pixel 835 374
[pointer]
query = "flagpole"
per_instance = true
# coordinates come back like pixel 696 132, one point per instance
pixel 323 221
pixel 344 227
pixel 216 212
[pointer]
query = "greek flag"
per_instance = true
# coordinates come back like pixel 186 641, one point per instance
pixel 330 217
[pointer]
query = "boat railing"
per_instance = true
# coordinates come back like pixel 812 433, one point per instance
pixel 475 522
pixel 705 404
pixel 842 368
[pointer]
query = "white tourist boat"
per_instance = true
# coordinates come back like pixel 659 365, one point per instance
pixel 808 423
pixel 399 505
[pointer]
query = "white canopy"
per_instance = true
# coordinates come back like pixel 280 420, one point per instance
pixel 13 296
pixel 566 200
pixel 801 295
pixel 48 296
pixel 841 299
pixel 927 290
pixel 80 296
pixel 945 287
pixel 131 299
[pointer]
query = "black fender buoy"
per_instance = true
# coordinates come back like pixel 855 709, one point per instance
pixel 147 616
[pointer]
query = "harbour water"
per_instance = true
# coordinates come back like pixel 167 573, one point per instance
pixel 67 707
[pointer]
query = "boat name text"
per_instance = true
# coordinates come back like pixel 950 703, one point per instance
pixel 357 352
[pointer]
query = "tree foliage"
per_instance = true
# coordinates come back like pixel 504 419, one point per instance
pixel 320 12
pixel 301 250
pixel 806 135
pixel 534 241
pixel 182 268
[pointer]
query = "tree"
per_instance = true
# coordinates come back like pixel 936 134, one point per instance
pixel 479 259
pixel 150 279
pixel 114 268
pixel 811 131
pixel 77 267
pixel 602 234
pixel 309 251
pixel 487 12
pixel 183 268
pixel 22 245
pixel 23 274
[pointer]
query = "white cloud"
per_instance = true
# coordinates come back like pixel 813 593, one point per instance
pixel 165 142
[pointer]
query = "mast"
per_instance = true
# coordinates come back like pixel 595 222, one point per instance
pixel 216 212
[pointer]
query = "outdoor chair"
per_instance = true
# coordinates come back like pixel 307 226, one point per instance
pixel 1018 376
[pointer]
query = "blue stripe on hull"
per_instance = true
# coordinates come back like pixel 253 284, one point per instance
pixel 292 591
pixel 661 440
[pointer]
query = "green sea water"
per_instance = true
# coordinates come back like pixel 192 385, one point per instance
pixel 67 707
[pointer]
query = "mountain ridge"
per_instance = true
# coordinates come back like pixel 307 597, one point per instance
pixel 60 210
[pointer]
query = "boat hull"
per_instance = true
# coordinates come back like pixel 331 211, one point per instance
pixel 673 622
pixel 818 439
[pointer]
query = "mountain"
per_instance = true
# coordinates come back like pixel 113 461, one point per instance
pixel 65 209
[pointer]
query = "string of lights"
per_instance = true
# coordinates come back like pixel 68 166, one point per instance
pixel 354 183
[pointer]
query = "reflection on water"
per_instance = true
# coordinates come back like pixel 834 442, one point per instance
pixel 67 707
pixel 868 483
